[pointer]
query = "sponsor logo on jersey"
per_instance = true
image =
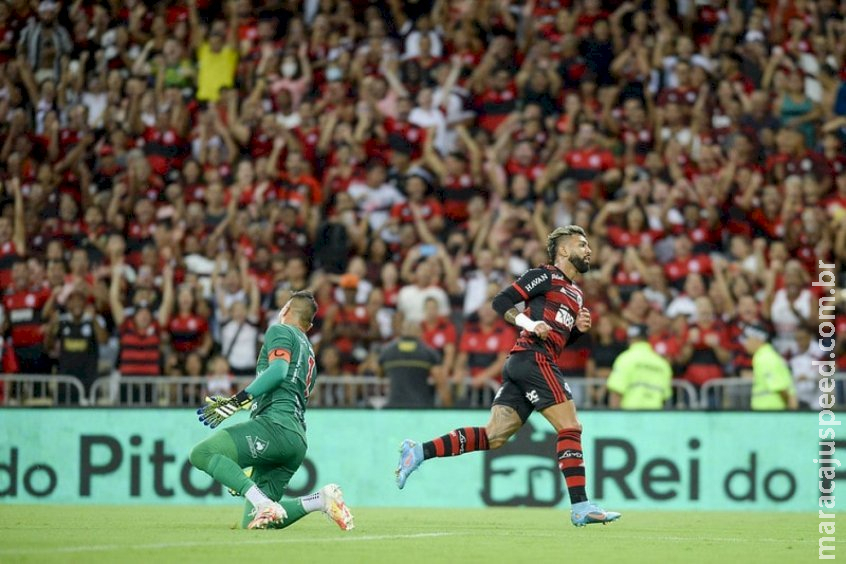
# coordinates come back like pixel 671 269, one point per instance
pixel 537 281
pixel 564 317
pixel 22 315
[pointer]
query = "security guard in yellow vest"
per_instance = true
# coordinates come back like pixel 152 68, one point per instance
pixel 772 384
pixel 640 378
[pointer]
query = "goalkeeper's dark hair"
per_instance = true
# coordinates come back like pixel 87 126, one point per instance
pixel 305 305
pixel 559 234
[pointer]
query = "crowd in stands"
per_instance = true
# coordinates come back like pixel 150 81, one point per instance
pixel 172 170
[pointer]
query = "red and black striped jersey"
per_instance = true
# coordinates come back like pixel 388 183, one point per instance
pixel 484 345
pixel 187 332
pixel 23 310
pixel 550 296
pixel 140 353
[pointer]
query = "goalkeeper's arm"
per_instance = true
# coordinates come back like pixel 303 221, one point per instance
pixel 270 378
pixel 219 409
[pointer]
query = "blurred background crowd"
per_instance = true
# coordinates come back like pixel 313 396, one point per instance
pixel 172 170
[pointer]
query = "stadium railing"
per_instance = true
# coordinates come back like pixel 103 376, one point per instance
pixel 590 393
pixel 726 393
pixel 736 393
pixel 165 391
pixel 350 391
pixel 36 390
pixel 154 391
pixel 41 390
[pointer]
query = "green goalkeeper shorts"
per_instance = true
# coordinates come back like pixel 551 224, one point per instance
pixel 273 451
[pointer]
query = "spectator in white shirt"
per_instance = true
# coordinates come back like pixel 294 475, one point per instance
pixel 374 196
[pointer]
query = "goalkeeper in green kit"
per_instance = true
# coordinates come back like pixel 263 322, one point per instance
pixel 273 441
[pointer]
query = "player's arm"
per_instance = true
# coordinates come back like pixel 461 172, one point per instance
pixel 534 282
pixel 279 357
pixel 582 326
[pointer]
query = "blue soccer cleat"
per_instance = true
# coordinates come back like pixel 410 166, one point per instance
pixel 411 457
pixel 587 513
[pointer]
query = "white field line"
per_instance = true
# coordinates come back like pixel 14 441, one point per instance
pixel 352 537
pixel 670 538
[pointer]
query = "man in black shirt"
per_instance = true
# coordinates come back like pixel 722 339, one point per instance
pixel 80 332
pixel 408 362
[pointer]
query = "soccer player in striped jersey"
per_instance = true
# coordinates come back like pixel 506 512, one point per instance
pixel 273 441
pixel 554 316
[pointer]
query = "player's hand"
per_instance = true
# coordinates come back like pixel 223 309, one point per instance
pixel 583 320
pixel 216 410
pixel 541 330
pixel 219 408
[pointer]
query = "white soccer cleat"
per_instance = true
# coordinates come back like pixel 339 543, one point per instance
pixel 334 507
pixel 270 516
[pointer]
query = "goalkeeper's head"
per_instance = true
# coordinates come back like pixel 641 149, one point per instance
pixel 299 310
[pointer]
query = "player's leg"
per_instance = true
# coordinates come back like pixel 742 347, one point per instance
pixel 273 481
pixel 278 453
pixel 328 500
pixel 509 412
pixel 223 456
pixel 217 456
pixel 556 405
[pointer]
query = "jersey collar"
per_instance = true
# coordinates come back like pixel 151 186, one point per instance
pixel 567 278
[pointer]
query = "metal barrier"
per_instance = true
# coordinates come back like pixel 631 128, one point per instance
pixel 736 393
pixel 350 391
pixel 726 393
pixel 155 391
pixel 333 391
pixel 41 390
pixel 166 391
pixel 591 393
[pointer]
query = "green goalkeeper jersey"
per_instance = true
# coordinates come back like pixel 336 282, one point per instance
pixel 286 403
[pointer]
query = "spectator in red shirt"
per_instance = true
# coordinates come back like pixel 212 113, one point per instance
pixel 592 166
pixel 483 349
pixel 24 313
pixel 685 262
pixel 350 326
pixel 706 349
pixel 189 331
pixel 662 337
pixel 439 333
pixel 496 94
pixel 420 209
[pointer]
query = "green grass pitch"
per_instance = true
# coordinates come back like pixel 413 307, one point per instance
pixel 93 534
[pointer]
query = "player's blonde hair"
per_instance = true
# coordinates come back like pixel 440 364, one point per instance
pixel 559 234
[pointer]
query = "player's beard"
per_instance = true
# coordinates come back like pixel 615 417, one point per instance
pixel 580 263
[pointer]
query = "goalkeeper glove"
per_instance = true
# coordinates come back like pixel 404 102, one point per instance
pixel 218 408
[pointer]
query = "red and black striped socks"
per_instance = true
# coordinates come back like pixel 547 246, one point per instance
pixel 571 463
pixel 460 441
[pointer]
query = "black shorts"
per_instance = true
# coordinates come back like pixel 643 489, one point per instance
pixel 531 382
